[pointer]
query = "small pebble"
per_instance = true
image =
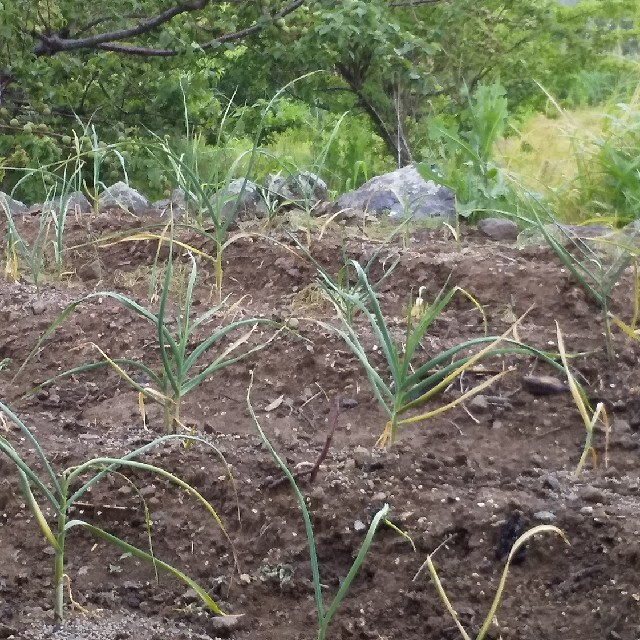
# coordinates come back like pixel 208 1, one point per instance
pixel 358 525
pixel 544 516
pixel 592 494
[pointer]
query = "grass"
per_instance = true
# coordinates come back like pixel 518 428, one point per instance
pixel 542 153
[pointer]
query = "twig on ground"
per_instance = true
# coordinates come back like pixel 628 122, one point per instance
pixel 313 471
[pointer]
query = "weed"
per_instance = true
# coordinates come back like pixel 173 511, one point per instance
pixel 464 156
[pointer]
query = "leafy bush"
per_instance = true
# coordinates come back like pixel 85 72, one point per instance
pixel 464 153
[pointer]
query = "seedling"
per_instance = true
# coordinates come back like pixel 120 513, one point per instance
pixel 582 404
pixel 488 621
pixel 62 491
pixel 409 388
pixel 342 289
pixel 597 272
pixel 324 615
pixel 175 378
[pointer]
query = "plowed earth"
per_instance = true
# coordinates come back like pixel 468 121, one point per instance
pixel 453 479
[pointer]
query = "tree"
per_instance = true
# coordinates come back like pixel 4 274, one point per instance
pixel 126 63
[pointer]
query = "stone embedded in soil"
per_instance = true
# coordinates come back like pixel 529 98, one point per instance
pixel 91 270
pixel 544 516
pixel 479 403
pixel 620 425
pixel 543 385
pixel 361 456
pixel 499 229
pixel 7 632
pixel 592 494
pixel 225 626
pixel 550 481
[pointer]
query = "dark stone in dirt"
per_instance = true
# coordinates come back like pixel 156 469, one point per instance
pixel 91 270
pixel 361 456
pixel 543 385
pixel 550 481
pixel 536 460
pixel 512 528
pixel 592 494
pixel 7 631
pixel 499 229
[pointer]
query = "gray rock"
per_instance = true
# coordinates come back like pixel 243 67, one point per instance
pixel 499 229
pixel 300 188
pixel 75 203
pixel 479 403
pixel 620 425
pixel 544 516
pixel 225 626
pixel 91 271
pixel 11 206
pixel 121 195
pixel 564 234
pixel 402 193
pixel 592 494
pixel 175 205
pixel 550 481
pixel 249 201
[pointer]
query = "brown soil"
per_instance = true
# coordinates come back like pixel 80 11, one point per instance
pixel 456 478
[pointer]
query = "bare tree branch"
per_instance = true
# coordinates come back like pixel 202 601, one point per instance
pixel 243 33
pixel 51 44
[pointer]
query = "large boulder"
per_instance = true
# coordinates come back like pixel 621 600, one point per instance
pixel 175 205
pixel 75 202
pixel 299 188
pixel 120 195
pixel 11 206
pixel 241 199
pixel 403 193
